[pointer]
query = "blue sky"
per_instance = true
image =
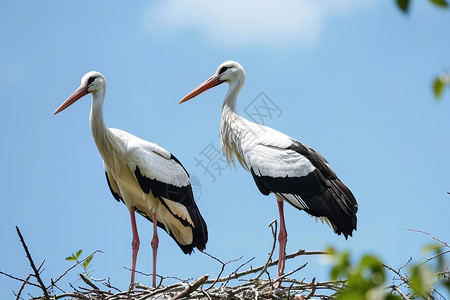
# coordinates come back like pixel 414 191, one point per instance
pixel 352 80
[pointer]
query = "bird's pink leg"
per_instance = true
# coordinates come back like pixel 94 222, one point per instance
pixel 154 244
pixel 134 245
pixel 282 240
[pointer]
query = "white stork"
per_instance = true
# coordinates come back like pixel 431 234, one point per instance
pixel 145 177
pixel 279 164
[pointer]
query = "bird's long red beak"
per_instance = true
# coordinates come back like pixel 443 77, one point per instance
pixel 209 83
pixel 80 92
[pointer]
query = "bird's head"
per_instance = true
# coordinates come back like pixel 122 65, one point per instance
pixel 229 71
pixel 91 82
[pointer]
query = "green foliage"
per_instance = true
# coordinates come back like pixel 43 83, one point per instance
pixel 421 281
pixel 439 271
pixel 441 3
pixel 403 5
pixel 439 83
pixel 438 87
pixel 365 280
pixel 87 261
pixel 75 256
pixel 84 262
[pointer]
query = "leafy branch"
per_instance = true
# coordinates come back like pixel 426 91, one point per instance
pixel 85 262
pixel 367 278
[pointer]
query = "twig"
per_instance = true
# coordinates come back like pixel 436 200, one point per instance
pixel 274 235
pixel 398 290
pixel 88 282
pixel 222 268
pixel 99 293
pixel 40 266
pixel 206 294
pixel 240 267
pixel 108 285
pixel 313 289
pixel 428 259
pixel 22 287
pixel 160 291
pixel 409 260
pixel 54 285
pixel 301 252
pixel 254 270
pixel 74 296
pixel 279 279
pixel 434 238
pixel 36 272
pixel 192 287
pixel 241 288
pixel 19 279
pixel 161 278
pixel 76 264
pixel 117 296
pixel 404 279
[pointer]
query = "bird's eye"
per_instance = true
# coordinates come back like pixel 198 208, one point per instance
pixel 223 69
pixel 91 80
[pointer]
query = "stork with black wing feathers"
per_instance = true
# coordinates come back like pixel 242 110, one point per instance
pixel 279 164
pixel 147 178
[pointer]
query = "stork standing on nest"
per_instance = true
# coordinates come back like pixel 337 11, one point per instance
pixel 145 177
pixel 279 164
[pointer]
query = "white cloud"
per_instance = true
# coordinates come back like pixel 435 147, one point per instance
pixel 250 22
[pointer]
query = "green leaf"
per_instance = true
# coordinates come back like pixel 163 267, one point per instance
pixel 403 5
pixel 73 257
pixel 437 250
pixel 350 295
pixel 342 265
pixel 79 253
pixel 440 3
pixel 438 87
pixel 373 270
pixel 87 261
pixel 421 281
pixel 432 247
pixel 371 262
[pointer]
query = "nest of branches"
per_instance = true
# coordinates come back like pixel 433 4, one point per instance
pixel 245 282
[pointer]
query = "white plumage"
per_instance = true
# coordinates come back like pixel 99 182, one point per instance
pixel 145 177
pixel 279 164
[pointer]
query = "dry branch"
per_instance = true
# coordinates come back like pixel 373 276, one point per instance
pixel 192 287
pixel 22 287
pixel 36 272
pixel 19 279
pixel 273 226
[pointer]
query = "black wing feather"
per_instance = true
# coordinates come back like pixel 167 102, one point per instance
pixel 115 195
pixel 322 192
pixel 182 195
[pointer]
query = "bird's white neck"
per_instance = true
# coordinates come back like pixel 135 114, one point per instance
pixel 231 130
pixel 102 135
pixel 231 96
